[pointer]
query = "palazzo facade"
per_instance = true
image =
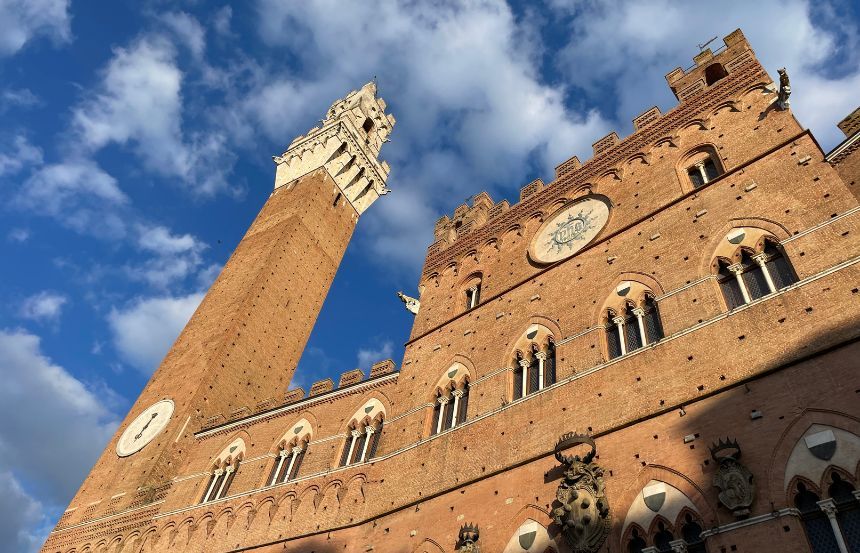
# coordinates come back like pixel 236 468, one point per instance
pixel 656 351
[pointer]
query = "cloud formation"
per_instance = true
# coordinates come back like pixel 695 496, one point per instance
pixel 144 330
pixel 21 21
pixel 44 307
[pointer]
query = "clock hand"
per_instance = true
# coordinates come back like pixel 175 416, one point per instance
pixel 142 430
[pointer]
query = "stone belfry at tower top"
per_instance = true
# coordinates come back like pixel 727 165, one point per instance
pixel 347 145
pixel 239 350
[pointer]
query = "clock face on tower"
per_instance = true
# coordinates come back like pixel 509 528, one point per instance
pixel 144 428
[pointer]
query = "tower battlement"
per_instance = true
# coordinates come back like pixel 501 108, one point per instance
pixel 346 145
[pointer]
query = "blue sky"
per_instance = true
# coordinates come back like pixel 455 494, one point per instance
pixel 136 142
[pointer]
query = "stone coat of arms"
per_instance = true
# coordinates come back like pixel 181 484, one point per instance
pixel 581 508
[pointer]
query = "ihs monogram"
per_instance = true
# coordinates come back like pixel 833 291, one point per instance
pixel 570 231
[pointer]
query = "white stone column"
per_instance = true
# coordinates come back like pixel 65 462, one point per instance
pixel 217 475
pixel 473 297
pixel 296 451
pixel 761 259
pixel 640 313
pixel 368 430
pixel 541 357
pixel 227 472
pixel 443 401
pixel 829 508
pixel 701 167
pixel 355 434
pixel 524 365
pixel 737 268
pixel 619 323
pixel 678 546
pixel 282 455
pixel 457 395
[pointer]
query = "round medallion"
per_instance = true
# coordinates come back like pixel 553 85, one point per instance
pixel 144 428
pixel 569 230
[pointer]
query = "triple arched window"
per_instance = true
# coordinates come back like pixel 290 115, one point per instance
pixel 754 273
pixel 289 462
pixel 224 471
pixel 832 524
pixel 632 326
pixel 534 370
pixel 361 443
pixel 450 408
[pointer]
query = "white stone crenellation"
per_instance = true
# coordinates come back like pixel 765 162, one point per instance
pixel 346 145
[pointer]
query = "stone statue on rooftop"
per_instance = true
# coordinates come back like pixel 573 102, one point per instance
pixel 411 303
pixel 784 90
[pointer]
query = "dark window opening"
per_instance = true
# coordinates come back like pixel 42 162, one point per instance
pixel 753 276
pixel 818 529
pixel 651 320
pixel 729 286
pixel 636 543
pixel 368 125
pixel 714 73
pixel 613 336
pixel 663 538
pixel 473 296
pixel 632 335
pixel 549 371
pixel 778 266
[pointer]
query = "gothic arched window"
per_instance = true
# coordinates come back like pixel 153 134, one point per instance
pixel 819 532
pixel 757 274
pixel 361 443
pixel 847 510
pixel 636 543
pixel 663 539
pixel 777 266
pixel 289 461
pixel 692 534
pixel 224 471
pixel 637 326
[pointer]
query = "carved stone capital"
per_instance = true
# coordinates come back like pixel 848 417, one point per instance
pixel 639 312
pixel 369 430
pixel 829 507
pixel 457 393
pixel 356 433
pixel 678 546
pixel 541 355
pixel 736 268
pixel 443 400
pixel 524 363
pixel 283 453
pixel 618 320
pixel 298 449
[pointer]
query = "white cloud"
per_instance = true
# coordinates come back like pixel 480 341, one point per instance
pixel 52 425
pixel 175 256
pixel 23 526
pixel 630 46
pixel 17 97
pixel 23 20
pixel 462 79
pixel 144 330
pixel 369 356
pixel 139 104
pixel 45 306
pixel 18 154
pixel 19 235
pixel 221 20
pixel 188 30
pixel 79 194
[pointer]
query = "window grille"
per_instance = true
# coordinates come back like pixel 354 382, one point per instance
pixel 778 266
pixel 464 405
pixel 437 409
pixel 374 442
pixel 730 287
pixel 344 457
pixel 518 381
pixel 753 276
pixel 549 369
pixel 449 415
pixel 613 337
pixel 300 456
pixel 651 320
pixel 848 511
pixel 632 336
pixel 359 447
pixel 818 529
pixel 534 376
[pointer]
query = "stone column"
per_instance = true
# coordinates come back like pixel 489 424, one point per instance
pixel 369 431
pixel 443 401
pixel 281 456
pixel 227 472
pixel 640 313
pixel 701 167
pixel 761 259
pixel 217 474
pixel 296 451
pixel 541 357
pixel 457 395
pixel 524 364
pixel 736 269
pixel 355 434
pixel 619 323
pixel 829 508
pixel 473 297
pixel 678 546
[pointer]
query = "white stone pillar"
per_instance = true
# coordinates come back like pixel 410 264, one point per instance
pixel 227 472
pixel 619 323
pixel 701 167
pixel 355 434
pixel 640 313
pixel 541 357
pixel 368 430
pixel 524 365
pixel 678 546
pixel 443 401
pixel 761 259
pixel 296 451
pixel 217 475
pixel 473 297
pixel 457 395
pixel 282 455
pixel 829 508
pixel 737 268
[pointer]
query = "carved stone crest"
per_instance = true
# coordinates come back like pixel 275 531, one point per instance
pixel 469 536
pixel 734 480
pixel 582 510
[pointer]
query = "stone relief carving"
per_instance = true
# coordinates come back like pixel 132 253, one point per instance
pixel 412 305
pixel 469 536
pixel 582 510
pixel 734 480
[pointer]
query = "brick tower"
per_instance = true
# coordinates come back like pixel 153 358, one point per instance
pixel 241 347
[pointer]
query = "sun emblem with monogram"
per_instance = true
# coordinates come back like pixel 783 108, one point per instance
pixel 569 229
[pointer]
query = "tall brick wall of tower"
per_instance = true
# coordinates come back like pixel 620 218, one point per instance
pixel 762 374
